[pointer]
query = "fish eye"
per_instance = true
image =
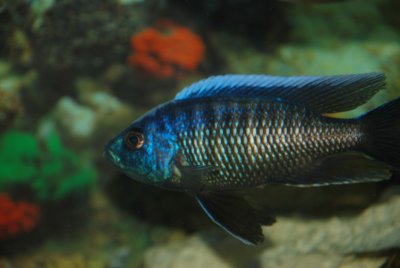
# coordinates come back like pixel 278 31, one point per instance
pixel 134 139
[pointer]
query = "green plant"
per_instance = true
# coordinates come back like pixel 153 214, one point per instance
pixel 51 170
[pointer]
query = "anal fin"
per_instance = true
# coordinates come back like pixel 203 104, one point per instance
pixel 236 216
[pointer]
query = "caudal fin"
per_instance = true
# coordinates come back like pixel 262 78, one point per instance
pixel 383 133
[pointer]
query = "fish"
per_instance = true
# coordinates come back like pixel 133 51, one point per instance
pixel 230 133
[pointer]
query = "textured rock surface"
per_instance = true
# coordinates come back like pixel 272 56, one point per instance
pixel 77 120
pixel 375 229
pixel 295 242
pixel 191 253
pixel 97 114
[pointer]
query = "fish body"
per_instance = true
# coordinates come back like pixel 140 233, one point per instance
pixel 234 132
pixel 251 142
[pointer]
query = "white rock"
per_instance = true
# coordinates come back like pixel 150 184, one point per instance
pixel 95 116
pixel 76 119
pixel 194 253
pixel 101 101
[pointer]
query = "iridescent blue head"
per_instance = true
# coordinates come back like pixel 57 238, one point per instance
pixel 146 150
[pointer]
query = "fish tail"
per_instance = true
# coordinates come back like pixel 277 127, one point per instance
pixel 383 133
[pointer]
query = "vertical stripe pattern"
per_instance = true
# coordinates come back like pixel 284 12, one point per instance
pixel 253 142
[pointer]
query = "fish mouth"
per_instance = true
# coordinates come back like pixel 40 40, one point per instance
pixel 115 159
pixel 111 156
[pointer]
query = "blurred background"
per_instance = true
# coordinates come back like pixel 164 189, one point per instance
pixel 73 73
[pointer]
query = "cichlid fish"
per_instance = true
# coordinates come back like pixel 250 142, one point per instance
pixel 233 132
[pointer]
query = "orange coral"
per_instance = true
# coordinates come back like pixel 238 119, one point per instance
pixel 16 217
pixel 166 51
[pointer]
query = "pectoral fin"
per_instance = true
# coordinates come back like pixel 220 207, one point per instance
pixel 236 216
pixel 193 177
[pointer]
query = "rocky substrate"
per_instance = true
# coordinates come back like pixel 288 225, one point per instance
pixel 340 242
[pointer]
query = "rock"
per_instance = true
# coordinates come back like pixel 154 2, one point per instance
pixel 11 86
pixel 53 260
pixel 322 260
pixel 193 252
pixel 295 242
pixel 377 228
pixel 95 116
pixel 76 120
pixel 119 258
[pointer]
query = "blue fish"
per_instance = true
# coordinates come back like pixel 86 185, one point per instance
pixel 229 133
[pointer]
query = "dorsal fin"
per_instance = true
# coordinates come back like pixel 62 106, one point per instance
pixel 324 94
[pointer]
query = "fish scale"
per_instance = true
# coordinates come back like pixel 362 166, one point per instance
pixel 252 142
